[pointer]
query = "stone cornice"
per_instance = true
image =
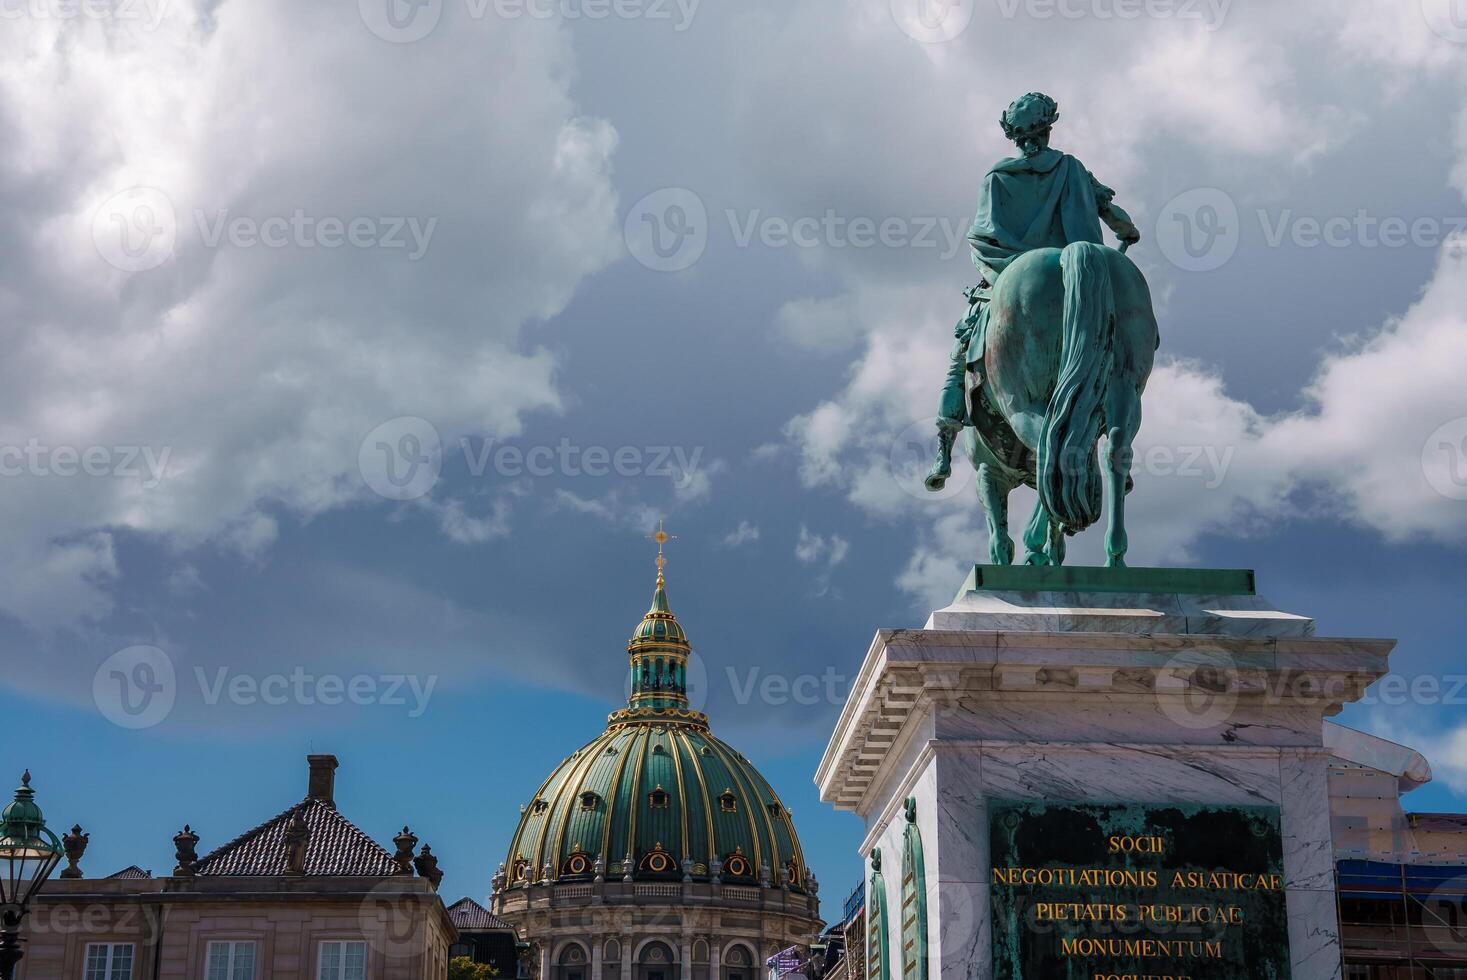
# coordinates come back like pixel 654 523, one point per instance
pixel 907 672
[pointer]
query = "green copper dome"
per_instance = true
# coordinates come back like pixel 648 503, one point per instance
pixel 656 796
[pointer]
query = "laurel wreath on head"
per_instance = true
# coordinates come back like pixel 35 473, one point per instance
pixel 1025 105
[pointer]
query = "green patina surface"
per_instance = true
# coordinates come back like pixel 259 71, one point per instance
pixel 1075 578
pixel 1032 922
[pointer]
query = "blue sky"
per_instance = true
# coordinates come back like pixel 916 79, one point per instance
pixel 182 289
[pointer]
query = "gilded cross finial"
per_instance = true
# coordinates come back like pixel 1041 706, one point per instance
pixel 661 537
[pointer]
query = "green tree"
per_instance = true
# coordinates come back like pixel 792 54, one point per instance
pixel 463 968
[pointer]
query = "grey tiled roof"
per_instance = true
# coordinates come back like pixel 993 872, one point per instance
pixel 131 872
pixel 469 916
pixel 336 847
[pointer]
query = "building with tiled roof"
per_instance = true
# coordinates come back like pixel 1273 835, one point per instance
pixel 484 937
pixel 657 849
pixel 305 895
pixel 337 847
pixel 131 873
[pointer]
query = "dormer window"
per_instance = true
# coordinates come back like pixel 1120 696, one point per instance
pixel 658 799
pixel 589 800
pixel 539 807
pixel 727 802
pixel 775 810
pixel 658 750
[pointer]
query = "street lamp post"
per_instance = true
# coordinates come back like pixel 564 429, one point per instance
pixel 28 854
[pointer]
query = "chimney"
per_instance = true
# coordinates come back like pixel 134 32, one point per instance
pixel 323 779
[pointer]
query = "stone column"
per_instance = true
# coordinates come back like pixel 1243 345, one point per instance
pixel 627 950
pixel 598 946
pixel 685 953
pixel 715 959
pixel 545 961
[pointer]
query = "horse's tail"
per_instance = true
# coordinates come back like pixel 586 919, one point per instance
pixel 1068 473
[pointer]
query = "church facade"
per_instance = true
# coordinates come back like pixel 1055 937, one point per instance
pixel 657 851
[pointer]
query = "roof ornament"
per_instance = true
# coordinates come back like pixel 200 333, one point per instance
pixel 185 852
pixel 661 537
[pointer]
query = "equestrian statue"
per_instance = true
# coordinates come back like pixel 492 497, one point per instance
pixel 1055 349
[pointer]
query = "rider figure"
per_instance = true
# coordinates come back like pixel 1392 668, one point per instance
pixel 1042 199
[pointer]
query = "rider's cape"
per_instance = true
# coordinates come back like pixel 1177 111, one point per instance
pixel 1048 200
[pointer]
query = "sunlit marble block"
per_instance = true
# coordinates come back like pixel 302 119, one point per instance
pixel 1028 695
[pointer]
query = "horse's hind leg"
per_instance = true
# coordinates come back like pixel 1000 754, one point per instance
pixel 1039 538
pixel 993 493
pixel 1123 420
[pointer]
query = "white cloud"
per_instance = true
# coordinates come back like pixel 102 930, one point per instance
pixel 745 533
pixel 258 368
pixel 1253 94
pixel 813 549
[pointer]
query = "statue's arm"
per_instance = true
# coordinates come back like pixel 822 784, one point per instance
pixel 1114 216
pixel 1120 222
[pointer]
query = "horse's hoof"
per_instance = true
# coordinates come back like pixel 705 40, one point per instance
pixel 1038 558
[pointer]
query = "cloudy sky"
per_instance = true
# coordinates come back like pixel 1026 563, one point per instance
pixel 354 347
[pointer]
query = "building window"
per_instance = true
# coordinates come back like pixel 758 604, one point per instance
pixel 343 961
pixel 231 961
pixel 658 798
pixel 589 800
pixel 727 802
pixel 109 961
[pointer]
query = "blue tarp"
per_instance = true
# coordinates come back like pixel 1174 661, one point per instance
pixel 1386 881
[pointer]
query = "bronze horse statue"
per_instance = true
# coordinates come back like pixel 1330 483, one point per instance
pixel 1069 346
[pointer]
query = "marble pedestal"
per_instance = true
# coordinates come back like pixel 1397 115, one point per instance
pixel 1112 696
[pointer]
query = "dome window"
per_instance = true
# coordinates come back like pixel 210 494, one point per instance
pixel 658 750
pixel 658 799
pixel 659 862
pixel 589 800
pixel 775 810
pixel 727 802
pixel 579 863
pixel 705 750
pixel 738 866
pixel 539 807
